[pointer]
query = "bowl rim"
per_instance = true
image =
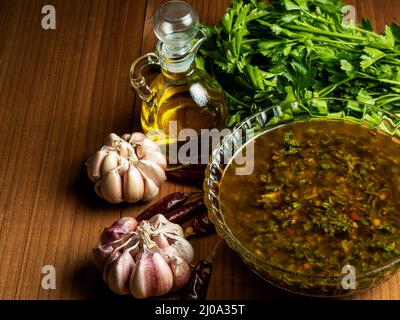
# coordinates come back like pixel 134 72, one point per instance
pixel 239 247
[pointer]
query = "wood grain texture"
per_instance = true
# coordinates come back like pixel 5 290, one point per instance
pixel 62 91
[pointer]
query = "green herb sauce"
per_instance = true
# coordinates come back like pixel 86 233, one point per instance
pixel 323 194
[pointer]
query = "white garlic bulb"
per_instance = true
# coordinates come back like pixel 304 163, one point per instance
pixel 127 169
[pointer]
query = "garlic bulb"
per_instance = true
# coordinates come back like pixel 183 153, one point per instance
pixel 127 169
pixel 147 259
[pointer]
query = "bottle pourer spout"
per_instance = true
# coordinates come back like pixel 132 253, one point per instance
pixel 176 24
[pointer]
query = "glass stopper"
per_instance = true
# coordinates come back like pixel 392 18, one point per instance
pixel 176 25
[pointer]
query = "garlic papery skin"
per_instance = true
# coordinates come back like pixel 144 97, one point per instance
pixel 156 157
pixel 184 248
pixel 151 276
pixel 116 142
pixel 110 162
pixel 114 256
pixel 100 255
pixel 151 189
pixel 94 165
pixel 113 140
pixel 151 170
pixel 129 171
pixel 145 146
pixel 134 138
pixel 147 259
pixel 123 167
pixel 160 224
pixel 119 229
pixel 146 149
pixel 161 240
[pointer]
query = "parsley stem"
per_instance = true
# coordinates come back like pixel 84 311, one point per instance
pixel 236 100
pixel 333 86
pixel 311 29
pixel 379 79
pixel 388 101
pixel 340 44
pixel 353 27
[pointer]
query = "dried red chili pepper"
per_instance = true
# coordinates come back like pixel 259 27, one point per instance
pixel 198 283
pixel 164 205
pixel 185 212
pixel 191 177
pixel 201 225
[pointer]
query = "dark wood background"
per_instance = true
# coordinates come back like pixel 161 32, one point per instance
pixel 62 91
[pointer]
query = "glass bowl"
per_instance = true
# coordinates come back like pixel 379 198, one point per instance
pixel 320 109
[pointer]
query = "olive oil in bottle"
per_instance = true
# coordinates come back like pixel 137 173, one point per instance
pixel 182 96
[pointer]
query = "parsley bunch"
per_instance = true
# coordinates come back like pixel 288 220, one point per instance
pixel 265 54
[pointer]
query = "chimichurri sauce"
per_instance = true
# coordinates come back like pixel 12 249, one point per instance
pixel 323 194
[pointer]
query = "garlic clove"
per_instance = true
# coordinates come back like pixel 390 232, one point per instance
pixel 107 266
pixel 133 185
pixel 145 146
pixel 181 273
pixel 118 229
pixel 120 273
pixel 126 136
pixel 123 166
pixel 151 189
pixel 100 255
pixel 169 253
pixel 184 248
pixel 134 138
pixel 94 165
pixel 97 189
pixel 161 240
pixel 152 171
pixel 111 187
pixel 152 276
pixel 112 140
pixel 125 149
pixel 157 158
pixel 111 161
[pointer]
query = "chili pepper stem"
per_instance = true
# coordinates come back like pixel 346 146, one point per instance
pixel 213 252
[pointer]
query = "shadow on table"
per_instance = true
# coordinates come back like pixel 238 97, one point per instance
pixel 232 279
pixel 83 189
pixel 89 283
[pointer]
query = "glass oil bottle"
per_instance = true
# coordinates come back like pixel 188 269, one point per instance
pixel 181 96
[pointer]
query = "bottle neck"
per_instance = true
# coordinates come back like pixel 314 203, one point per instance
pixel 181 62
pixel 170 73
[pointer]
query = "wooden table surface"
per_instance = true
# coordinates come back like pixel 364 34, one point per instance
pixel 62 91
